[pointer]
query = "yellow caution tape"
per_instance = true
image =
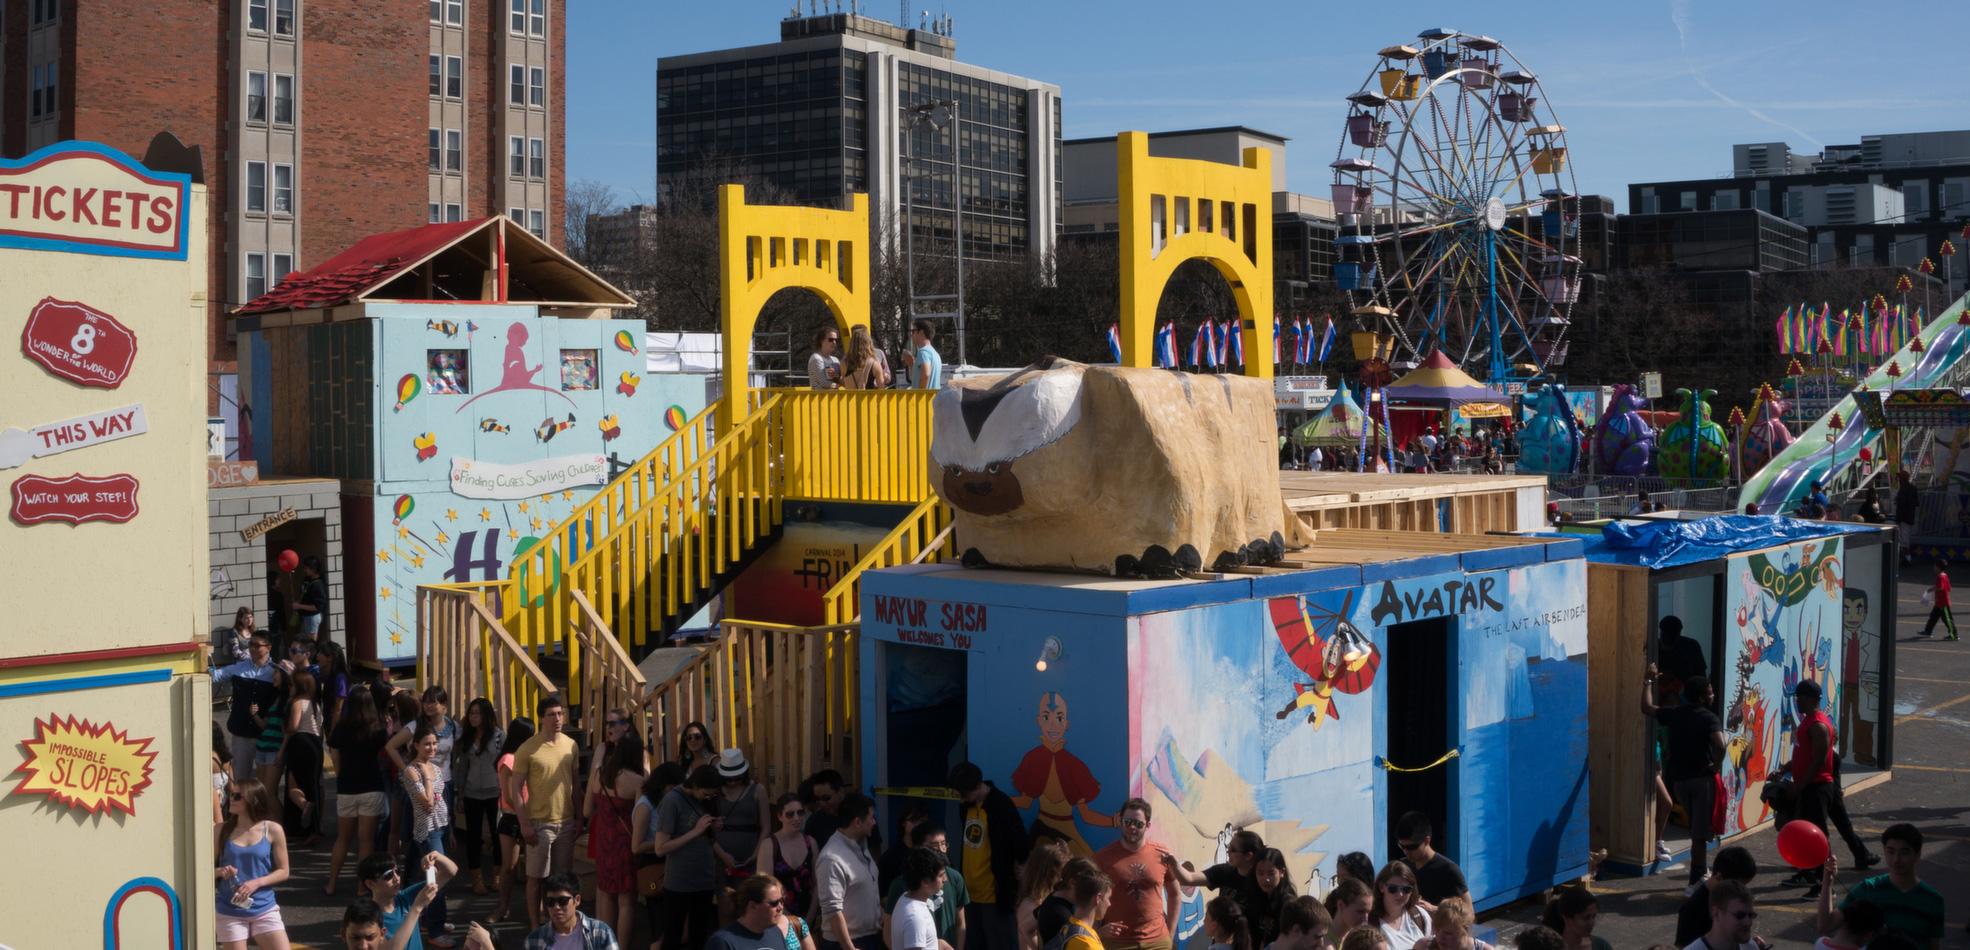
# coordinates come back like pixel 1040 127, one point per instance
pixel 943 794
pixel 1447 756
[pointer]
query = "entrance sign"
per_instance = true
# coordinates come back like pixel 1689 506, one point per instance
pixel 472 479
pixel 79 344
pixel 89 199
pixel 268 523
pixel 19 445
pixel 85 766
pixel 74 499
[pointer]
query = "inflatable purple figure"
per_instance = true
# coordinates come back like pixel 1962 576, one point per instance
pixel 1623 441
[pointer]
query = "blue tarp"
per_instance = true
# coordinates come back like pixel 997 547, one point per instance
pixel 1660 544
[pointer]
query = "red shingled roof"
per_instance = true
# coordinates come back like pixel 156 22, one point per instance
pixel 370 262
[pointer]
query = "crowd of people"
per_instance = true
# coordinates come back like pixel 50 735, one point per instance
pixel 863 365
pixel 694 842
pixel 1480 451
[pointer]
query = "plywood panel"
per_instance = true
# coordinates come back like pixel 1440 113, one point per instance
pixel 1622 804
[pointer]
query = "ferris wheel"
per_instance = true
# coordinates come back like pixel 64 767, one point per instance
pixel 1458 213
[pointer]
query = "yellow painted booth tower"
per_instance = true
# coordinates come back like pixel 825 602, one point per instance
pixel 106 807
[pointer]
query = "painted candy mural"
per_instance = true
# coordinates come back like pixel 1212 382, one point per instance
pixel 493 426
pixel 1785 625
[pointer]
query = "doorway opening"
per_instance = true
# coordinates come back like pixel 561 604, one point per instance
pixel 306 538
pixel 1420 657
pixel 925 725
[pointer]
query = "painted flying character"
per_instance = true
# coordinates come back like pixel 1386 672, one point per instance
pixel 1058 781
pixel 1325 646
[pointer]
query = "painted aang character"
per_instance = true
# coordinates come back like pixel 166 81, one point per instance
pixel 1058 781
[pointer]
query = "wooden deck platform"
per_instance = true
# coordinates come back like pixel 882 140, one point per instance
pixel 1466 504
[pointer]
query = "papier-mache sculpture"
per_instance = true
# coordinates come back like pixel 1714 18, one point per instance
pixel 1111 470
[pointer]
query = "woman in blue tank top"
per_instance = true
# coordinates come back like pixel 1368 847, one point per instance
pixel 252 851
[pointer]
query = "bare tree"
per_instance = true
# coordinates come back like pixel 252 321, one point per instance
pixel 586 199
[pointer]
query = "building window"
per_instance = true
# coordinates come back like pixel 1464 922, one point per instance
pixel 537 223
pixel 436 148
pixel 454 12
pixel 434 212
pixel 519 216
pixel 44 11
pixel 256 15
pixel 454 78
pixel 283 266
pixel 518 156
pixel 537 158
pixel 41 100
pixel 437 75
pixel 537 23
pixel 256 96
pixel 256 276
pixel 283 99
pixel 517 93
pixel 1688 201
pixel 454 150
pixel 454 213
pixel 537 86
pixel 283 189
pixel 519 16
pixel 437 11
pixel 256 187
pixel 284 17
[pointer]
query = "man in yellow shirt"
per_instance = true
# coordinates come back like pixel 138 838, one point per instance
pixel 546 766
pixel 994 844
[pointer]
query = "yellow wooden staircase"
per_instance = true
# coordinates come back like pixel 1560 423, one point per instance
pixel 622 571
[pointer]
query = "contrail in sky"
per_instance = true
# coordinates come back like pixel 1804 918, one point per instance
pixel 1679 14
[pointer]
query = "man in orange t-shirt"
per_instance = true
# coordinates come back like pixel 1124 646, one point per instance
pixel 1143 912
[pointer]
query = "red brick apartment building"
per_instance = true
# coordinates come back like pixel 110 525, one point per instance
pixel 320 121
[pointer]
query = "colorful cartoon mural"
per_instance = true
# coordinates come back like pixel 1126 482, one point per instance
pixel 1857 711
pixel 1270 713
pixel 428 527
pixel 1785 610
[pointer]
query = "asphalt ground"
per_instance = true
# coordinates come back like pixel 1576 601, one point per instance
pixel 1930 788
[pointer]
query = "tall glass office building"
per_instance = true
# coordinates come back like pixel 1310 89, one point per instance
pixel 820 115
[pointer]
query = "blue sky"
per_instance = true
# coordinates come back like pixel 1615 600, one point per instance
pixel 1648 91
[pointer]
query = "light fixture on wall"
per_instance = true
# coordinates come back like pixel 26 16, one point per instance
pixel 1049 651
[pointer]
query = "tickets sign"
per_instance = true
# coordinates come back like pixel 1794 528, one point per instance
pixel 85 198
pixel 93 768
pixel 78 343
pixel 74 499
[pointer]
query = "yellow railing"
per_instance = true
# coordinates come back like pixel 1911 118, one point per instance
pixel 610 679
pixel 847 445
pixel 648 567
pixel 924 535
pixel 462 646
pixel 787 696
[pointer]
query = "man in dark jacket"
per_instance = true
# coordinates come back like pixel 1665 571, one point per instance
pixel 1907 500
pixel 993 847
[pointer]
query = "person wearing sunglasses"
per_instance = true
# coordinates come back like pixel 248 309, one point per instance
pixel 1732 914
pixel 1395 911
pixel 694 747
pixel 758 911
pixel 1437 877
pixel 561 893
pixel 1143 913
pixel 378 877
pixel 823 367
pixel 1233 876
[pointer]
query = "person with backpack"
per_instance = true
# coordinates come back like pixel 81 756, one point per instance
pixel 1092 893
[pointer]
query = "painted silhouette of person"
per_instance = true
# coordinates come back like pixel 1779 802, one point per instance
pixel 514 373
pixel 1057 781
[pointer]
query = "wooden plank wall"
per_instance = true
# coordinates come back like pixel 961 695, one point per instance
pixel 1622 809
pixel 287 368
pixel 1469 513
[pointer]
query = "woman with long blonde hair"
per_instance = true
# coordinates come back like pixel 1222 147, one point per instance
pixel 864 366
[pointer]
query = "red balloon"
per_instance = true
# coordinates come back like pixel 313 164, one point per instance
pixel 1802 844
pixel 1867 456
pixel 289 561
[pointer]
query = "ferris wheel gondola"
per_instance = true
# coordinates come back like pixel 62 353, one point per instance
pixel 1458 211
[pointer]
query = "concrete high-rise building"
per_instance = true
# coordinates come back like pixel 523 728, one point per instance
pixel 821 115
pixel 319 123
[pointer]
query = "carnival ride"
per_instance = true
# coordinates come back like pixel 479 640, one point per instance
pixel 1829 450
pixel 1458 209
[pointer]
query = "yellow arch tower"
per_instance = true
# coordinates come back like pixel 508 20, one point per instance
pixel 764 249
pixel 1179 209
